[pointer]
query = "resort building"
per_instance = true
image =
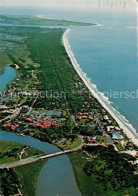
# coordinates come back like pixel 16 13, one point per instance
pixel 45 124
pixel 10 126
pixel 28 119
pixel 91 140
pixel 116 136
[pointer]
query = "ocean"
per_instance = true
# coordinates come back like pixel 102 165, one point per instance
pixel 107 53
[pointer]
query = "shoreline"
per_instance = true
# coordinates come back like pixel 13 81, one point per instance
pixel 16 76
pixel 128 129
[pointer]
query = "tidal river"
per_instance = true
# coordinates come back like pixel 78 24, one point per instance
pixel 56 176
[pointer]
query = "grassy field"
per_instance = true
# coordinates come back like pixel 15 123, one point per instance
pixel 27 176
pixel 9 150
pixel 70 144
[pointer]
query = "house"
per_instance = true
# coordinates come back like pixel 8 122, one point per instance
pixel 91 118
pixel 28 119
pixel 109 121
pixel 109 128
pixel 103 111
pixel 86 113
pixel 79 113
pixel 117 128
pixel 106 117
pixel 83 114
pixel 83 117
pixel 91 140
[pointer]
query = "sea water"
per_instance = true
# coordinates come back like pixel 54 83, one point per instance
pixel 106 53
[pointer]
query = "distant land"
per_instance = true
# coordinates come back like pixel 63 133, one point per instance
pixel 50 102
pixel 37 20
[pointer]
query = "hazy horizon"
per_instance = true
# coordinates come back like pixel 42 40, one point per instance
pixel 78 4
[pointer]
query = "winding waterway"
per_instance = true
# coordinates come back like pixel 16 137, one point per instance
pixel 8 75
pixel 56 177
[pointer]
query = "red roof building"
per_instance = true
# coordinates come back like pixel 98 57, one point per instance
pixel 81 114
pixel 90 140
pixel 83 117
pixel 12 127
pixel 45 124
pixel 28 119
pixel 91 118
pixel 86 113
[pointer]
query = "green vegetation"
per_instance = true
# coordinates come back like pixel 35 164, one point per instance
pixel 56 74
pixel 90 131
pixel 20 179
pixel 9 183
pixel 51 73
pixel 102 139
pixel 120 147
pixel 27 176
pixel 103 171
pixel 34 20
pixel 70 143
pixel 9 152
pixel 56 71
pixel 44 69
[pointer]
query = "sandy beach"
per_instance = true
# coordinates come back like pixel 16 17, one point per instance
pixel 128 129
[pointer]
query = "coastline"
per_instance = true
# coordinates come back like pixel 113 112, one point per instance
pixel 128 129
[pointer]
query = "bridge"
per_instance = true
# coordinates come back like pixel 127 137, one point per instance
pixel 34 159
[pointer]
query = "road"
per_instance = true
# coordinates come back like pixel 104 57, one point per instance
pixel 34 159
pixel 74 120
pixel 33 104
pixel 109 139
pixel 13 115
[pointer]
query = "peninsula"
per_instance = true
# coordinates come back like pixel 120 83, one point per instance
pixel 49 101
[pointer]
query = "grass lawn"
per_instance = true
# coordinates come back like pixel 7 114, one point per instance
pixel 70 144
pixel 102 140
pixel 27 176
pixel 9 150
pixel 120 147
